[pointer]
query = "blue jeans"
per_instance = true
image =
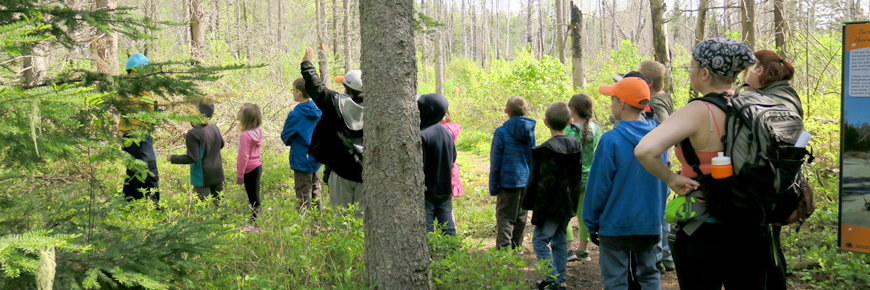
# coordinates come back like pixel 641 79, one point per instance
pixel 614 263
pixel 443 211
pixel 663 250
pixel 554 233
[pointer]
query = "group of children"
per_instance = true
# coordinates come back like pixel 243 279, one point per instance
pixel 583 172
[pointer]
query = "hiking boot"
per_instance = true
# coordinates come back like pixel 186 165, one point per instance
pixel 661 267
pixel 669 265
pixel 584 256
pixel 543 285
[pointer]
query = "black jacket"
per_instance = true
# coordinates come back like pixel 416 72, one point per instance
pixel 204 144
pixel 439 151
pixel 556 180
pixel 326 147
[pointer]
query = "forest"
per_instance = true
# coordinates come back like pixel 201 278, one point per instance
pixel 65 224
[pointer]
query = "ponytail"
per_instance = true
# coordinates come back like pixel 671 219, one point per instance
pixel 582 106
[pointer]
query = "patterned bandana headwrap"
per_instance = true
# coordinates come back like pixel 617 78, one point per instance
pixel 723 56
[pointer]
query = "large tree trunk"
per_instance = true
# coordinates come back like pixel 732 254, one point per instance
pixel 396 251
pixel 197 32
pixel 702 21
pixel 322 54
pixel 105 46
pixel 560 36
pixel 348 64
pixel 779 28
pixel 747 16
pixel 660 39
pixel 578 69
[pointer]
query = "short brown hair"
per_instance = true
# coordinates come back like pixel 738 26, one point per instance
pixel 517 106
pixel 299 85
pixel 655 72
pixel 558 115
pixel 775 68
pixel 250 116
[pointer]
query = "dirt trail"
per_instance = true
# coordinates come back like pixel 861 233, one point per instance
pixel 581 275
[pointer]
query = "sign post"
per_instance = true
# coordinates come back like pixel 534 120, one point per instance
pixel 854 234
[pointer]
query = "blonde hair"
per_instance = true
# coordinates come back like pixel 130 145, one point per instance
pixel 655 72
pixel 250 116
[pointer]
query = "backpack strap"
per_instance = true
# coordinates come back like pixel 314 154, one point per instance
pixel 691 157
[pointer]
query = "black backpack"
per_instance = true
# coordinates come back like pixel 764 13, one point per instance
pixel 760 137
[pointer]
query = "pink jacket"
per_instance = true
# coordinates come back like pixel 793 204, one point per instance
pixel 249 152
pixel 456 182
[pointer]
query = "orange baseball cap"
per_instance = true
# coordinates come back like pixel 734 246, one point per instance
pixel 339 79
pixel 633 91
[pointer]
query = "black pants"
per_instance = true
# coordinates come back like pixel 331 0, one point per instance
pixel 510 217
pixel 776 279
pixel 252 187
pixel 717 254
pixel 442 210
pixel 134 188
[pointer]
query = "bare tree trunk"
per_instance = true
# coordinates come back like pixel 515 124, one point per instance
pixel 560 37
pixel 484 23
pixel 334 29
pixel 473 31
pixel 150 13
pixel 348 63
pixel 614 43
pixel 497 32
pixel 604 41
pixel 507 32
pixel 778 28
pixel 396 252
pixel 540 30
pixel 702 21
pixel 464 31
pixel 529 33
pixel 748 21
pixel 105 46
pixel 322 54
pixel 439 51
pixel 578 70
pixel 197 32
pixel 35 67
pixel 660 39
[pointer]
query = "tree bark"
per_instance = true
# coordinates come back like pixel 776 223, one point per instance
pixel 105 46
pixel 779 28
pixel 348 64
pixel 35 67
pixel 396 252
pixel 464 31
pixel 439 51
pixel 577 66
pixel 660 39
pixel 748 21
pixel 497 33
pixel 540 31
pixel 560 36
pixel 484 23
pixel 702 21
pixel 333 29
pixel 322 54
pixel 197 32
pixel 529 9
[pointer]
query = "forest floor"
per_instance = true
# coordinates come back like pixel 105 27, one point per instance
pixel 581 275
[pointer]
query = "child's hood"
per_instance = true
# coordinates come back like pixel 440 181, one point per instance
pixel 256 135
pixel 633 131
pixel 432 107
pixel 561 144
pixel 521 128
pixel 309 110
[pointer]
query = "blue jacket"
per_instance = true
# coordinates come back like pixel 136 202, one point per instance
pixel 297 134
pixel 511 154
pixel 622 198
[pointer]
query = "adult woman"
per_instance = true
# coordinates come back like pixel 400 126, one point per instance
pixel 702 259
pixel 771 77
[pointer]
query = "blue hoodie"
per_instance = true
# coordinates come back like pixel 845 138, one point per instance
pixel 297 134
pixel 511 154
pixel 622 198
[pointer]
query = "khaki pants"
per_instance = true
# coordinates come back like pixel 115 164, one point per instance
pixel 343 193
pixel 308 188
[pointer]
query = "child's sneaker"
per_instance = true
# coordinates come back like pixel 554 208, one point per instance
pixel 584 256
pixel 572 255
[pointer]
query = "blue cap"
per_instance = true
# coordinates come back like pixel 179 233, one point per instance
pixel 137 60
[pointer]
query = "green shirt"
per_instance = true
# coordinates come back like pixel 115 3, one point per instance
pixel 576 130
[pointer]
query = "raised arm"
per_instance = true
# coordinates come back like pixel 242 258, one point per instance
pixel 313 83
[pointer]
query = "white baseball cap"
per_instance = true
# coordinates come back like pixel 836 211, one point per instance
pixel 353 79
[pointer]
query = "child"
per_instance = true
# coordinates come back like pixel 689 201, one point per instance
pixel 248 164
pixel 454 129
pixel 553 193
pixel 439 154
pixel 204 144
pixel 297 134
pixel 587 134
pixel 624 203
pixel 510 159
